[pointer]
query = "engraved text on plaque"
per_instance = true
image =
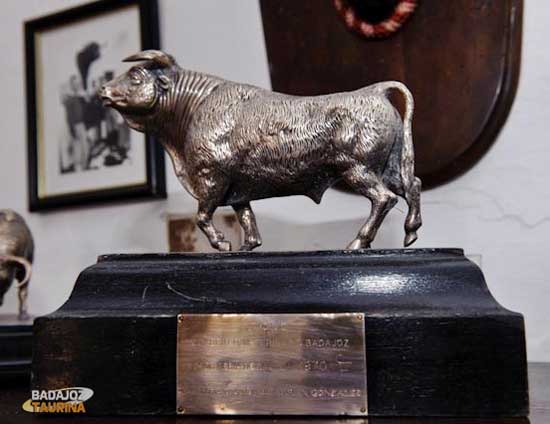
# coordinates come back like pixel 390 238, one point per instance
pixel 271 364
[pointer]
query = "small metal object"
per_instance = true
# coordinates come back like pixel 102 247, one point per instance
pixel 233 143
pixel 16 256
pixel 288 364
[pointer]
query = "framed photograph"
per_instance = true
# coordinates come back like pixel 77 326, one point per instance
pixel 79 151
pixel 184 234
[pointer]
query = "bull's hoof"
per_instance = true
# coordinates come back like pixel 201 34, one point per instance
pixel 250 245
pixel 355 245
pixel 224 246
pixel 410 238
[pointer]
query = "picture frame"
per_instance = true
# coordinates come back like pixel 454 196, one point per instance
pixel 80 152
pixel 185 236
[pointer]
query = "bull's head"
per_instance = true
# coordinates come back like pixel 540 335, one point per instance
pixel 135 94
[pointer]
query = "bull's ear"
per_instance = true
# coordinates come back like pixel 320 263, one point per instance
pixel 164 60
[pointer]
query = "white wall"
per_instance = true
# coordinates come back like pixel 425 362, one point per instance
pixel 500 210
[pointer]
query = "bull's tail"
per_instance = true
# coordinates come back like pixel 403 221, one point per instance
pixel 411 184
pixel 407 152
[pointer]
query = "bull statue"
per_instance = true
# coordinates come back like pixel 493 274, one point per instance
pixel 233 143
pixel 16 256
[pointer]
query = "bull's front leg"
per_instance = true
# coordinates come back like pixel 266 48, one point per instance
pixel 210 188
pixel 204 221
pixel 23 294
pixel 248 223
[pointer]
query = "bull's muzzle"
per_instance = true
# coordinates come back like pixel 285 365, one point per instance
pixel 108 95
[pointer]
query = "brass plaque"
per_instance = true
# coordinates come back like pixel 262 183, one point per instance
pixel 287 364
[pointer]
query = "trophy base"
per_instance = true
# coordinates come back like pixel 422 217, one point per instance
pixel 434 341
pixel 15 347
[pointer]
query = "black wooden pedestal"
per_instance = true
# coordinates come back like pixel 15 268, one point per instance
pixel 437 342
pixel 15 347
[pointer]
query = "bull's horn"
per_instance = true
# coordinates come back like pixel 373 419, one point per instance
pixel 162 59
pixel 23 262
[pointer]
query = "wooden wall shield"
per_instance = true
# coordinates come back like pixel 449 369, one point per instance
pixel 460 58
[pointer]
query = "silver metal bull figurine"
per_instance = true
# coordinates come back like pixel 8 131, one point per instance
pixel 16 256
pixel 233 143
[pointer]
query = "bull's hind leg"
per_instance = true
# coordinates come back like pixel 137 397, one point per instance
pixel 382 200
pixel 247 220
pixel 414 219
pixel 204 222
pixel 412 196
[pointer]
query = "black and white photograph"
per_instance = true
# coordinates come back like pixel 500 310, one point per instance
pixel 82 151
pixel 95 136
